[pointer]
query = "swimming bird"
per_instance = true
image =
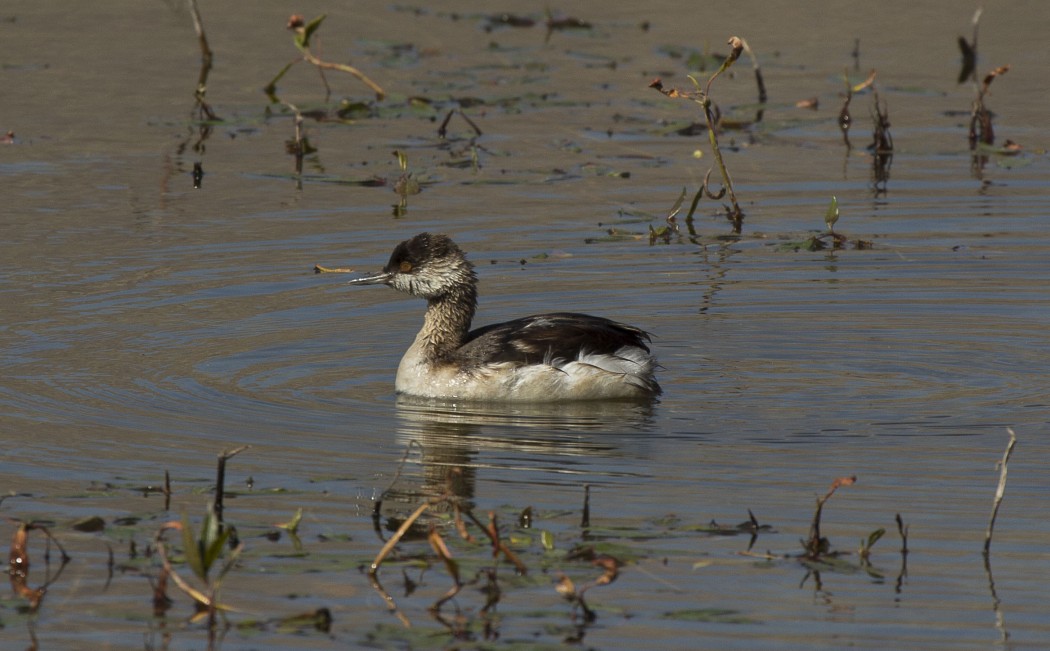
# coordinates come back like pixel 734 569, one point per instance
pixel 559 356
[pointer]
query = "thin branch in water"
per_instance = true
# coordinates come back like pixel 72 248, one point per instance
pixel 585 519
pixel 981 130
pixel 817 545
pixel 763 96
pixel 18 564
pixel 396 538
pixel 443 129
pixel 1000 491
pixel 437 543
pixel 498 545
pixel 220 478
pixel 198 26
pixel 902 529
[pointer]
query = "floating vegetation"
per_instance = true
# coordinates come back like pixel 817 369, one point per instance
pixel 828 239
pixel 566 554
pixel 303 31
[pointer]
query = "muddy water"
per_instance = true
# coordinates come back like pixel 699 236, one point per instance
pixel 147 326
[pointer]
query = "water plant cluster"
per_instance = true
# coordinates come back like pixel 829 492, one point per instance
pixel 441 541
pixel 715 123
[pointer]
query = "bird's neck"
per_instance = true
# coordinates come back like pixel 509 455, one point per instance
pixel 447 322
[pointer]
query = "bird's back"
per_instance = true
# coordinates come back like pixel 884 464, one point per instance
pixel 561 356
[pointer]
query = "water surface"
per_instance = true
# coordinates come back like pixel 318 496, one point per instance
pixel 147 326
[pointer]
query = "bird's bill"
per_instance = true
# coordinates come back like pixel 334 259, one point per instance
pixel 380 278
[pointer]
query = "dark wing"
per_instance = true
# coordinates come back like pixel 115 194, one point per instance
pixel 559 335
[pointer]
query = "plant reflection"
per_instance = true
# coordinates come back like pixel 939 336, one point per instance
pixel 433 491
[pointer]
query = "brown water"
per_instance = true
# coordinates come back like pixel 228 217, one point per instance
pixel 147 326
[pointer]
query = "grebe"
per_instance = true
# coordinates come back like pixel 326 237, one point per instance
pixel 542 358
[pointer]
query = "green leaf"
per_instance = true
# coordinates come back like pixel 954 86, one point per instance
pixel 271 87
pixel 677 207
pixel 214 550
pixel 229 563
pixel 547 539
pixel 832 214
pixel 874 537
pixel 292 525
pixel 190 548
pixel 302 39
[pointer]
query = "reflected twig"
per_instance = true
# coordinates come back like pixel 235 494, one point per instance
pixel 902 529
pixel 390 603
pixel 18 564
pixel 202 112
pixel 881 146
pixel 378 505
pixel 969 51
pixel 1000 623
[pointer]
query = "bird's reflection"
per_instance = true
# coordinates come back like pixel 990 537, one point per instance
pixel 445 443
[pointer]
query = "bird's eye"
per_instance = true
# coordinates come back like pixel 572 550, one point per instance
pixel 405 266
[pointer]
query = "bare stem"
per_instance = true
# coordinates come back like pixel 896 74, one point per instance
pixel 396 538
pixel 1000 490
pixel 220 477
pixel 198 25
pixel 376 88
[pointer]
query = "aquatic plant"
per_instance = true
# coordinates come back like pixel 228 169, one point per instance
pixel 405 186
pixel 815 545
pixel 445 502
pixel 881 146
pixel 303 32
pixel 201 551
pixel 18 564
pixel 702 96
pixel 845 119
pixel 981 131
pixel 830 238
